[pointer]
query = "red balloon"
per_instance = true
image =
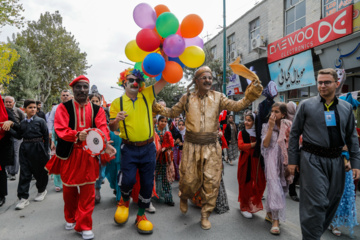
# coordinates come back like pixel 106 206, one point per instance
pixel 147 40
pixel 179 31
pixel 143 70
pixel 173 72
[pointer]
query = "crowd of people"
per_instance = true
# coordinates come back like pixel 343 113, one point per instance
pixel 149 146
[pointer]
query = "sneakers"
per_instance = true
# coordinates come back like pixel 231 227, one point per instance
pixel 151 208
pixel 40 196
pixel 143 225
pixel 69 226
pixel 22 204
pixel 88 234
pixel 246 214
pixel 122 212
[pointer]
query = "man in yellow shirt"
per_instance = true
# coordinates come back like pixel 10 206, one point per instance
pixel 132 114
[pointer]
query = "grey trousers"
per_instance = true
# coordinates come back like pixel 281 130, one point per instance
pixel 14 169
pixel 322 183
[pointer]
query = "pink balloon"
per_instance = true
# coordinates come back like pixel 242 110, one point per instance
pixel 144 16
pixel 196 41
pixel 179 31
pixel 174 45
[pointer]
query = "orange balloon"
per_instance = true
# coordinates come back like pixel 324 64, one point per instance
pixel 159 9
pixel 173 72
pixel 191 26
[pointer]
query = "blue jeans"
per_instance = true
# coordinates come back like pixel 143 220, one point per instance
pixel 101 177
pixel 144 159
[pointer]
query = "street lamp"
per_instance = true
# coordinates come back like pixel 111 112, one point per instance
pixel 126 63
pixel 224 42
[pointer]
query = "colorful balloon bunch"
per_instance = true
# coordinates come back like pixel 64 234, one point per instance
pixel 162 37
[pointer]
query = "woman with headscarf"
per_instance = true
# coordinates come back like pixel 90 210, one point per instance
pixel 7 120
pixel 251 177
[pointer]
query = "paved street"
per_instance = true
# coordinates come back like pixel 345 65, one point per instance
pixel 45 220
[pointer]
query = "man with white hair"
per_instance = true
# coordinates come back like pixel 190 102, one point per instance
pixel 19 116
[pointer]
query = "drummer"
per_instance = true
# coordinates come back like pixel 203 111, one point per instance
pixel 79 170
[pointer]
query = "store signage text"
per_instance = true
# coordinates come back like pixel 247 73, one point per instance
pixel 327 29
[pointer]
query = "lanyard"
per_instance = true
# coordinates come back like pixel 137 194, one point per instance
pixel 328 106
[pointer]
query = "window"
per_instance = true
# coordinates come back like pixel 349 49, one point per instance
pixel 295 15
pixel 231 47
pixel 213 52
pixel 254 28
pixel 331 6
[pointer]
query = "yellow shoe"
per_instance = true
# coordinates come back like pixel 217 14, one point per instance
pixel 122 212
pixel 143 225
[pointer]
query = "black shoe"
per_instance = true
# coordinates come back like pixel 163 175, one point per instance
pixel 170 204
pixel 2 201
pixel 295 198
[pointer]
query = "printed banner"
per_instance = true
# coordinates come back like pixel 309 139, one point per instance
pixel 233 87
pixel 293 72
pixel 335 26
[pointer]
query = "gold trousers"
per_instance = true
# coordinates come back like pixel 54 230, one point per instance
pixel 200 169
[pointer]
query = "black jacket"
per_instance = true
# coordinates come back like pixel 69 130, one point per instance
pixel 227 134
pixel 7 144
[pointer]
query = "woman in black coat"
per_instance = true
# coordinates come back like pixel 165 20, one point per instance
pixel 7 157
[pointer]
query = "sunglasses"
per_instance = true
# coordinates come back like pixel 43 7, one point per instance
pixel 131 80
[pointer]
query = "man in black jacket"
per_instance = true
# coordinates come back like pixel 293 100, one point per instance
pixel 231 133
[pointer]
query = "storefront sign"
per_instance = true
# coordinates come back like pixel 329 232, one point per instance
pixel 293 72
pixel 325 30
pixel 233 87
pixel 356 17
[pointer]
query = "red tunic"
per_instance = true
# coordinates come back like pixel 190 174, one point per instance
pixel 251 191
pixel 80 168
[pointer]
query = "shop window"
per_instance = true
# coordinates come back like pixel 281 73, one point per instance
pixel 295 15
pixel 331 6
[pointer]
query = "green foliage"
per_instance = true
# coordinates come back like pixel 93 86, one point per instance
pixel 7 58
pixel 10 13
pixel 56 52
pixel 27 76
pixel 171 93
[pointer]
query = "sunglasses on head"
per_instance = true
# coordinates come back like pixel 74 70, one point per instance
pixel 131 80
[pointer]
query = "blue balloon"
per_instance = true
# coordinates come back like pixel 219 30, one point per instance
pixel 154 64
pixel 158 77
pixel 177 60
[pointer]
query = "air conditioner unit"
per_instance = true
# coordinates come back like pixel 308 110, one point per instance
pixel 256 42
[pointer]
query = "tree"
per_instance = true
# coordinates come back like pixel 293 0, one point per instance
pixel 26 74
pixel 171 93
pixel 10 13
pixel 216 66
pixel 56 52
pixel 7 58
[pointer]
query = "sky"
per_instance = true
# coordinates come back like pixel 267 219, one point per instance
pixel 103 28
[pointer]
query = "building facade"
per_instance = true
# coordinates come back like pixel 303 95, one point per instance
pixel 288 41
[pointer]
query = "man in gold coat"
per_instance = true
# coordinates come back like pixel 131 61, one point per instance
pixel 201 165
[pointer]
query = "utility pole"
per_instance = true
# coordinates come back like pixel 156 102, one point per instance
pixel 224 53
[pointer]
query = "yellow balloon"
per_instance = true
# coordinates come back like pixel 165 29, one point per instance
pixel 134 53
pixel 193 57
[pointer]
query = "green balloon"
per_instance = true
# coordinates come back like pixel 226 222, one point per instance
pixel 167 24
pixel 138 67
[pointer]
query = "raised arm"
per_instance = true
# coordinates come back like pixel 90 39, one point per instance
pixel 173 112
